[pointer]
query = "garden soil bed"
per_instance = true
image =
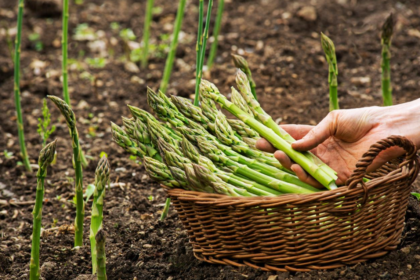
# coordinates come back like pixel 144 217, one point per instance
pixel 282 46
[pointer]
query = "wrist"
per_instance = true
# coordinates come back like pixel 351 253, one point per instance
pixel 403 119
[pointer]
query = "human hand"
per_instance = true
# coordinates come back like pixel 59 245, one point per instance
pixel 342 137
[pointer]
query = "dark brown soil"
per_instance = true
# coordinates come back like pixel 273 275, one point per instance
pixel 284 52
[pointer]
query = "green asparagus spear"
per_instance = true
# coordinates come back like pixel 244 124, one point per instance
pixel 217 25
pixel 309 164
pixel 101 181
pixel 158 171
pixel 242 64
pixel 18 106
pixel 329 50
pixel 101 257
pixel 77 152
pixel 387 30
pixel 146 33
pixel 46 156
pixel 242 129
pixel 239 101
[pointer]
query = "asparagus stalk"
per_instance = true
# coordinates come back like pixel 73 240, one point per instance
pixel 46 156
pixel 101 257
pixel 190 151
pixel 329 50
pixel 166 209
pixel 123 140
pixel 387 30
pixel 192 112
pixel 19 119
pixel 101 180
pixel 174 44
pixel 211 151
pixel 216 31
pixel 206 177
pixel 208 108
pixel 143 116
pixel 239 101
pixel 156 132
pixel 242 64
pixel 65 52
pixel 242 129
pixel 80 207
pixel 310 165
pixel 146 32
pixel 251 142
pixel 266 120
pixel 198 48
pixel 200 63
pixel 158 171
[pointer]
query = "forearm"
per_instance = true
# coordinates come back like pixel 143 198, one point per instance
pixel 404 119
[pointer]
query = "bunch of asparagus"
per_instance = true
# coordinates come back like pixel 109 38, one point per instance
pixel 198 148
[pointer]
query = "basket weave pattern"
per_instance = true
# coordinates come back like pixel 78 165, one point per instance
pixel 303 232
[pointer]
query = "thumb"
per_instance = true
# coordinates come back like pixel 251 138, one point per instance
pixel 317 135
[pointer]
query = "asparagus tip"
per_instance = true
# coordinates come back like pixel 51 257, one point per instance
pixel 387 29
pixel 240 62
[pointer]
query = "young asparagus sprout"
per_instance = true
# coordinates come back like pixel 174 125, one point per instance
pixel 18 106
pixel 242 64
pixel 387 31
pixel 77 152
pixel 216 30
pixel 310 165
pixel 329 50
pixel 64 52
pixel 202 48
pixel 46 156
pixel 101 257
pixel 174 44
pixel 165 210
pixel 101 181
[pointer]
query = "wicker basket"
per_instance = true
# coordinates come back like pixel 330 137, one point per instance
pixel 303 232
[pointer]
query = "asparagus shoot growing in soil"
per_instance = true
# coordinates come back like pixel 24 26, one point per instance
pixel 329 50
pixel 387 30
pixel 65 52
pixel 44 129
pixel 174 44
pixel 202 50
pixel 19 119
pixel 77 152
pixel 242 64
pixel 46 156
pixel 310 165
pixel 101 181
pixel 101 256
pixel 198 46
pixel 165 209
pixel 146 32
pixel 216 31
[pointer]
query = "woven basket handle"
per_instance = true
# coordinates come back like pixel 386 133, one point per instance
pixel 374 150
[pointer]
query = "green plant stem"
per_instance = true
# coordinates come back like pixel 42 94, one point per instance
pixel 146 32
pixel 332 80
pixel 198 48
pixel 386 75
pixel 101 180
pixel 174 44
pixel 267 121
pixel 65 52
pixel 307 164
pixel 20 129
pixel 202 53
pixel 77 152
pixel 166 209
pixel 101 256
pixel 216 31
pixel 45 158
